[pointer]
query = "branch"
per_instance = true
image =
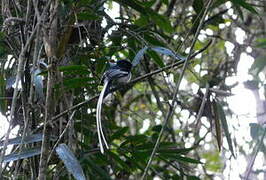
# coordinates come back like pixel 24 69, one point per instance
pixel 131 83
pixel 259 144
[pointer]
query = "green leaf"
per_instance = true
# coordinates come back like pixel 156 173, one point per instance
pixel 218 3
pixel 152 40
pixel 137 139
pixel 188 160
pixel 142 20
pixel 198 6
pixel 258 65
pixel 181 158
pixel 87 16
pixel 245 5
pixel 149 3
pixel 238 9
pixel 157 128
pixel 134 5
pixel 159 20
pixel 147 147
pixel 157 59
pixel 78 82
pixel 166 2
pixel 192 178
pixel 74 69
pixel 261 43
pixel 119 133
pixel 213 161
pixel 122 165
pixel 100 66
pixel 222 117
pixel 162 22
pixel 97 169
pixel 141 156
pixel 216 19
pixel 174 150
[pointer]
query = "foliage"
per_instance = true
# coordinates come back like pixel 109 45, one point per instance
pixel 53 54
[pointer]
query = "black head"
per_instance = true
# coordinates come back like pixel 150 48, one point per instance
pixel 124 64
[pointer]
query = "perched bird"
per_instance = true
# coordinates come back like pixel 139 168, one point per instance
pixel 118 73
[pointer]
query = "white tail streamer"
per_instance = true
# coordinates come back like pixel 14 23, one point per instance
pixel 101 136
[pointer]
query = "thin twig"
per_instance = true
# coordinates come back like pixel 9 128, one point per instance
pixel 173 104
pixel 259 144
pixel 61 135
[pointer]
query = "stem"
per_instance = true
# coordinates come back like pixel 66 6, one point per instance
pixel 173 104
pixel 259 144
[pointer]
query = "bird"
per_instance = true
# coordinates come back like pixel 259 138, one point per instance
pixel 118 73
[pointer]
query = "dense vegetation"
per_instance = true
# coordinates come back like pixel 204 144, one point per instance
pixel 54 52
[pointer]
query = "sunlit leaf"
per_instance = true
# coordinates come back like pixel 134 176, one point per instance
pixel 3 103
pixel 70 161
pixel 217 125
pixel 27 139
pixel 168 52
pixel 38 83
pixel 22 155
pixel 214 161
pixel 139 56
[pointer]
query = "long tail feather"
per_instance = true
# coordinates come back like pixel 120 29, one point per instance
pixel 100 110
pixel 98 119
